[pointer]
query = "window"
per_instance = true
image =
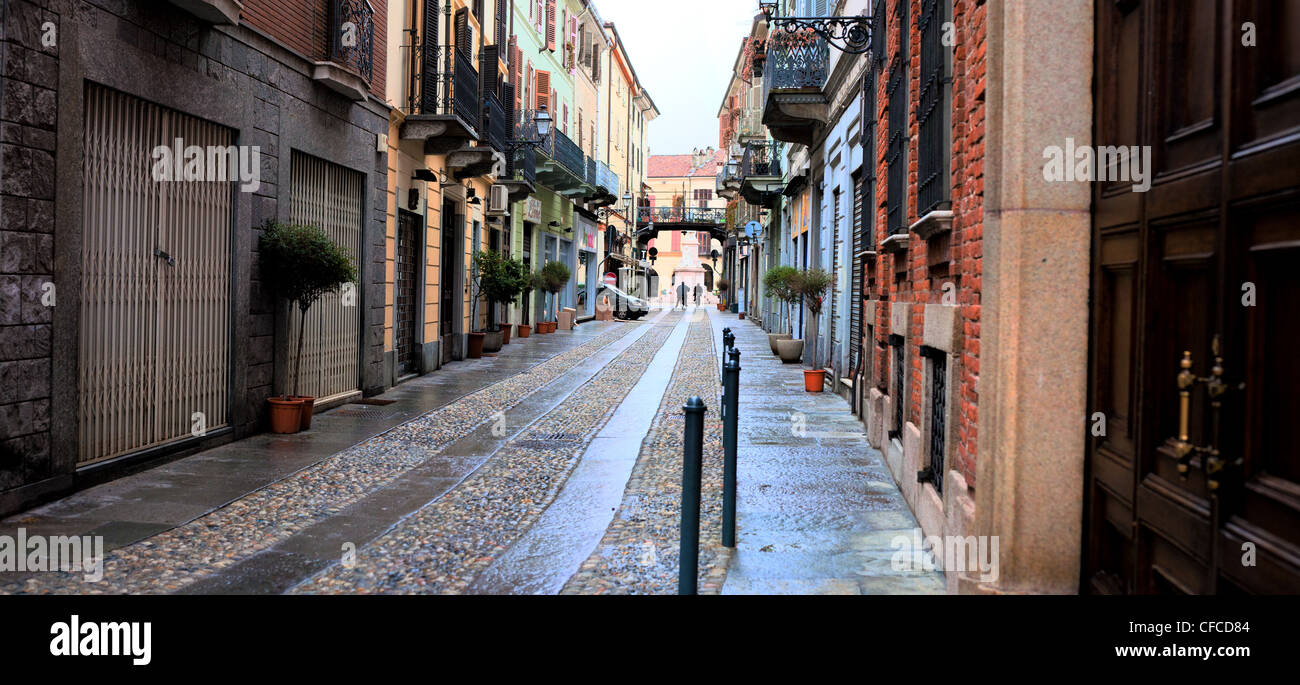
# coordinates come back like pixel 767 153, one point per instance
pixel 938 403
pixel 933 117
pixel 896 155
pixel 900 380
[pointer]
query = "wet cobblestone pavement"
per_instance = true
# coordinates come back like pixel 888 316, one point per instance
pixel 443 546
pixel 639 553
pixel 173 559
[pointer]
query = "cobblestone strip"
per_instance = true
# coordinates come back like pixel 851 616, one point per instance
pixel 639 553
pixel 442 547
pixel 262 519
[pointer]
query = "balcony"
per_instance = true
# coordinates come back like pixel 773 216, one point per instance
pixel 605 182
pixel 794 74
pixel 750 124
pixel 349 49
pixel 521 174
pixel 727 182
pixel 213 11
pixel 488 156
pixel 561 166
pixel 443 105
pixel 761 173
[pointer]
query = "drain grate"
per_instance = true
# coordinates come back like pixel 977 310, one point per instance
pixel 551 441
pixel 365 412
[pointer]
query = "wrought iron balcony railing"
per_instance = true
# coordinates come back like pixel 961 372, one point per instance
pixel 523 164
pixel 761 159
pixel 727 181
pixel 351 36
pixel 751 123
pixel 607 179
pixel 569 155
pixel 795 61
pixel 494 122
pixel 443 81
pixel 680 215
pixel 590 176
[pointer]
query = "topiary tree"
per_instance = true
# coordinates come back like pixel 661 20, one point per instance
pixel 811 286
pixel 300 263
pixel 532 281
pixel 497 279
pixel 778 284
pixel 555 275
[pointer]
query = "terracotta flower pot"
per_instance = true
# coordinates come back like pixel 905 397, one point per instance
pixel 772 338
pixel 789 350
pixel 742 316
pixel 722 307
pixel 505 332
pixel 491 341
pixel 525 330
pixel 308 409
pixel 286 415
pixel 814 380
pixel 475 346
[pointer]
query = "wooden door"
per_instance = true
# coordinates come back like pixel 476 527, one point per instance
pixel 1193 478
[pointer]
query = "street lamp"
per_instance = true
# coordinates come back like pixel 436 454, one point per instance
pixel 542 123
pixel 847 34
pixel 713 254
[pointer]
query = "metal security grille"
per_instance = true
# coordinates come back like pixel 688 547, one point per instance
pixel 938 414
pixel 896 155
pixel 154 348
pixel 406 281
pixel 327 195
pixel 836 248
pixel 931 117
pixel 855 279
pixel 900 367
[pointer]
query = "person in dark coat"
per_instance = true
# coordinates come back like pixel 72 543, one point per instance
pixel 681 295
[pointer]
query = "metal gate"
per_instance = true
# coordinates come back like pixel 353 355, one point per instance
pixel 154 348
pixel 327 195
pixel 406 283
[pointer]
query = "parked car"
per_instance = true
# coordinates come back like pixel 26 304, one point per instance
pixel 625 306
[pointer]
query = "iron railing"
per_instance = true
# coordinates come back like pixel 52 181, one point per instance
pixel 896 92
pixel 728 180
pixel 607 179
pixel 569 155
pixel 523 164
pixel 351 38
pixel 681 215
pixel 494 122
pixel 761 159
pixel 932 187
pixel 751 123
pixel 443 81
pixel 590 175
pixel 795 62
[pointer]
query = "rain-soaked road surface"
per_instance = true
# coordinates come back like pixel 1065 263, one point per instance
pixel 505 476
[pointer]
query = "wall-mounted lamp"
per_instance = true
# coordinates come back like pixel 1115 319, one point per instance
pixel 472 196
pixel 428 175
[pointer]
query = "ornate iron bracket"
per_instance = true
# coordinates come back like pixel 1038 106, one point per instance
pixel 851 35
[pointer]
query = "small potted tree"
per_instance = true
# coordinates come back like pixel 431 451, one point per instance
pixel 531 282
pixel 776 285
pixel 812 285
pixel 555 275
pixel 723 286
pixel 300 263
pixel 501 279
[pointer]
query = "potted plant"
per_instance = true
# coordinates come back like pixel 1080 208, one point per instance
pixel 812 285
pixel 555 275
pixel 300 263
pixel 531 282
pixel 723 286
pixel 777 285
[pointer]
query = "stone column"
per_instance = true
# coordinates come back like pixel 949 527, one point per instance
pixel 1033 381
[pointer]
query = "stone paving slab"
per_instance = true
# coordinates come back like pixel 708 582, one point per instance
pixel 817 509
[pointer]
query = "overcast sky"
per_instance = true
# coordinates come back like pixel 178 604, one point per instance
pixel 683 51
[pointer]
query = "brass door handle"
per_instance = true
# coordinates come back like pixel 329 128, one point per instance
pixel 1215 387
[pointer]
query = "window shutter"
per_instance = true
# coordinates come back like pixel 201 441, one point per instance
pixel 516 72
pixel 488 70
pixel 429 59
pixel 500 18
pixel 464 41
pixel 550 25
pixel 566 118
pixel 544 91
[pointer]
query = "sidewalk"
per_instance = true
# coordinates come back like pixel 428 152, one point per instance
pixel 816 509
pixel 135 507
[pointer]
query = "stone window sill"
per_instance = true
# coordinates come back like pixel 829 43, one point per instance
pixel 933 224
pixel 896 242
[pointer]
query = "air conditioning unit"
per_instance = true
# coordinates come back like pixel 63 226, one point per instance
pixel 498 200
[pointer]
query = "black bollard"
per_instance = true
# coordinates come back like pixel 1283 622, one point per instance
pixel 728 343
pixel 692 455
pixel 730 423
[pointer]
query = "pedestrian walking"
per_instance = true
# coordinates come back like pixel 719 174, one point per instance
pixel 697 296
pixel 681 295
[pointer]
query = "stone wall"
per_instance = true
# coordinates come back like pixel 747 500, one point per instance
pixel 235 76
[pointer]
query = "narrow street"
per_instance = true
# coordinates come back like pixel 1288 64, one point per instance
pixel 552 468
